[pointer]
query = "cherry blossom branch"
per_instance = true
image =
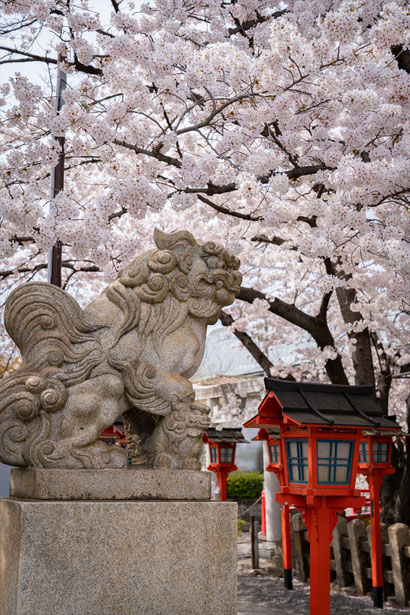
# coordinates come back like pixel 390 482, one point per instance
pixel 268 132
pixel 23 239
pixel 13 27
pixel 251 23
pixel 19 61
pixel 303 171
pixel 35 269
pixel 115 6
pixel 223 210
pixel 40 266
pixel 324 305
pixel 212 189
pixel 216 111
pixel 317 327
pixel 152 153
pixel 117 214
pixel 34 57
pixel 276 241
pixel 398 195
pixel 91 70
pixel 246 340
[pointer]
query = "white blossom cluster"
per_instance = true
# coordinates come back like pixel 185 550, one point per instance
pixel 282 131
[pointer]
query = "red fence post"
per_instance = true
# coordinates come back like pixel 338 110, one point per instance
pixel 263 505
pixel 376 541
pixel 286 547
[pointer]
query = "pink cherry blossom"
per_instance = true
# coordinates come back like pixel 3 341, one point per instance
pixel 281 132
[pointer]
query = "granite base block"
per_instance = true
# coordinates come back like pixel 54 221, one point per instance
pixel 134 483
pixel 117 558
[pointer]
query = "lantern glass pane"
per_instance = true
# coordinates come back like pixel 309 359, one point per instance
pixel 343 450
pixel 274 453
pixel 380 452
pixel 226 454
pixel 323 449
pixel 323 474
pixel 213 454
pixel 293 448
pixel 364 452
pixel 334 461
pixel 297 454
pixel 342 474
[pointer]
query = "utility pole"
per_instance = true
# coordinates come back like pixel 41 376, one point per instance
pixel 57 178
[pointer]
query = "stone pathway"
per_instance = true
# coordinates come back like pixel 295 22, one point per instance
pixel 260 593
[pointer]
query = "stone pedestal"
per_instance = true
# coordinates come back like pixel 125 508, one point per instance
pixel 131 556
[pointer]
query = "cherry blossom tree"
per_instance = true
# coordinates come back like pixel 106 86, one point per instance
pixel 281 130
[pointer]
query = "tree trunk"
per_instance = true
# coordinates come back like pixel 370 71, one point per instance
pixel 316 326
pixel 246 340
pixel 362 353
pixel 395 492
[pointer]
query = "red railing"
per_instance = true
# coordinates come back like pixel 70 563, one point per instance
pixel 364 513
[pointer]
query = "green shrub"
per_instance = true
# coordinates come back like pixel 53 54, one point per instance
pixel 241 526
pixel 244 485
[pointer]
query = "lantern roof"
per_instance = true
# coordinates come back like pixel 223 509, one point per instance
pixel 324 404
pixel 382 432
pixel 226 435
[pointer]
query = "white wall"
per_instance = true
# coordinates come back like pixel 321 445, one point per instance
pixel 249 457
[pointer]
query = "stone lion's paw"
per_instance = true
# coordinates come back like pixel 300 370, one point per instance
pixel 162 461
pixel 191 464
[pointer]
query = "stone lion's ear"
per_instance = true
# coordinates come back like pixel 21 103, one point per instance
pixel 176 241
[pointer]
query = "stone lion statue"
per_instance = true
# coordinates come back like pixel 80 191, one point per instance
pixel 130 352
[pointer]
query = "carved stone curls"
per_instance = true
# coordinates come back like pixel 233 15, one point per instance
pixel 131 352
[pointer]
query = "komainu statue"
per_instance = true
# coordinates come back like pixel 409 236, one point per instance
pixel 130 352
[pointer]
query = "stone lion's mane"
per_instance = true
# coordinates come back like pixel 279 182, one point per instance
pixel 154 296
pixel 154 284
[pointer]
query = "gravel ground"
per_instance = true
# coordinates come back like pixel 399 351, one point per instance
pixel 263 594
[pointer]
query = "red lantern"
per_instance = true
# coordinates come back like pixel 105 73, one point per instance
pixel 375 463
pixel 320 432
pixel 114 433
pixel 222 446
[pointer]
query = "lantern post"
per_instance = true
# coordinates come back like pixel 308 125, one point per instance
pixel 222 447
pixel 320 433
pixel 375 463
pixel 271 437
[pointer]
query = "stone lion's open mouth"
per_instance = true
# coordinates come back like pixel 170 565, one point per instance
pixel 230 280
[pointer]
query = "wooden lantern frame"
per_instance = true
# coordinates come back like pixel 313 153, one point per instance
pixel 370 438
pixel 217 440
pixel 217 447
pixel 313 436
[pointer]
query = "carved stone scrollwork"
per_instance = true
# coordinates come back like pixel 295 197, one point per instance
pixel 131 352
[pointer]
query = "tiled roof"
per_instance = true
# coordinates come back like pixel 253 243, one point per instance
pixel 228 435
pixel 329 404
